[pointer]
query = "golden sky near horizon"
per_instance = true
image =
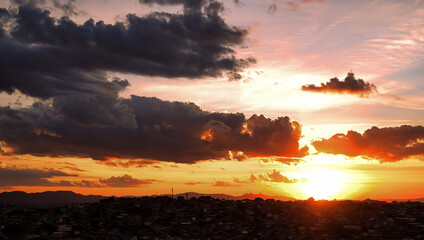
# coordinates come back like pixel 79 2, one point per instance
pixel 161 96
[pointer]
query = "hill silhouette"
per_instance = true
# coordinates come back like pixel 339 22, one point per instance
pixel 56 198
pixel 250 196
pixel 49 198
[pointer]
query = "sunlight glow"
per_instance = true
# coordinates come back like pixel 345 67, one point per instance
pixel 323 183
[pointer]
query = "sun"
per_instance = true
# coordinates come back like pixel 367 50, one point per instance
pixel 323 183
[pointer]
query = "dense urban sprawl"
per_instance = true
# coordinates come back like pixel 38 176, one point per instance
pixel 209 218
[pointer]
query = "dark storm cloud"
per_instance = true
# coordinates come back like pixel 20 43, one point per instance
pixel 45 57
pixel 4 15
pixel 166 131
pixel 13 176
pixel 279 137
pixel 45 73
pixel 80 113
pixel 67 7
pixel 350 85
pixel 388 144
pixel 195 44
pixel 57 59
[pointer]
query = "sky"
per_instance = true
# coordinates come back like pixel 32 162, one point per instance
pixel 300 98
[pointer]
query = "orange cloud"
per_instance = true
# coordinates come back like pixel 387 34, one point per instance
pixel 259 136
pixel 292 6
pixel 388 144
pixel 237 180
pixel 193 183
pixel 222 184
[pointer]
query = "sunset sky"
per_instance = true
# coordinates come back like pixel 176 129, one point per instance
pixel 300 98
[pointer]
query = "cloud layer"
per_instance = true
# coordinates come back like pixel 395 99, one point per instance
pixel 14 176
pixel 57 59
pixel 193 44
pixel 389 144
pixel 166 131
pixel 349 85
pixel 79 112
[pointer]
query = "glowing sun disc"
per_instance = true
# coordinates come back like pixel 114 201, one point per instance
pixel 323 183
